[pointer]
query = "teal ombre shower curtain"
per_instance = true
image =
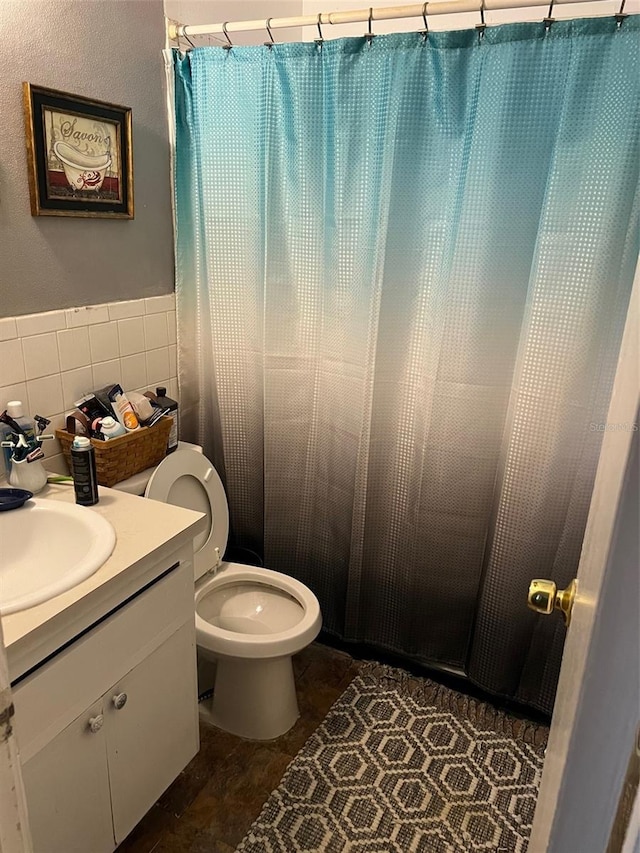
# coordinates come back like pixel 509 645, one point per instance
pixel 402 273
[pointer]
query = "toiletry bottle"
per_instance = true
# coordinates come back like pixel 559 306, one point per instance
pixel 83 465
pixel 123 409
pixel 142 406
pixel 111 428
pixel 15 410
pixel 167 403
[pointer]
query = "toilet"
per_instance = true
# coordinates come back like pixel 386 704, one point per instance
pixel 249 620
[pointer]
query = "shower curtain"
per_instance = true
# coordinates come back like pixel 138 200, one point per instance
pixel 403 267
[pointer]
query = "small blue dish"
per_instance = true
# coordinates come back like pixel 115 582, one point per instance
pixel 13 498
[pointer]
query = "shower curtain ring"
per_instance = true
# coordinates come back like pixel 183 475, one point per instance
pixel 481 27
pixel 320 38
pixel 621 14
pixel 549 19
pixel 187 37
pixel 267 25
pixel 229 45
pixel 370 35
pixel 425 32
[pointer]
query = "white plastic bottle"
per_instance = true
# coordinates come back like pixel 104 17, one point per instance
pixel 111 428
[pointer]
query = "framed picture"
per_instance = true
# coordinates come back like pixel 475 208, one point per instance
pixel 79 154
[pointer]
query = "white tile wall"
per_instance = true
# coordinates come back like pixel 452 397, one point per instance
pixel 48 360
pixel 40 354
pixel 73 347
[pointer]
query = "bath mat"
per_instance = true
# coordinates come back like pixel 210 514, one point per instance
pixel 404 765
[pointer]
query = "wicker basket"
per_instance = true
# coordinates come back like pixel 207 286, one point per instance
pixel 122 457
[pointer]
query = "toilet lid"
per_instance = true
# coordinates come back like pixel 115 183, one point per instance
pixel 186 478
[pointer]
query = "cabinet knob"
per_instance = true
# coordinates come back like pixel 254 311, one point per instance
pixel 120 700
pixel 95 723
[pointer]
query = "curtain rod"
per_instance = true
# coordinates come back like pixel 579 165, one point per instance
pixel 383 13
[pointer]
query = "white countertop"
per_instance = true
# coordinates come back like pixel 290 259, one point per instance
pixel 147 533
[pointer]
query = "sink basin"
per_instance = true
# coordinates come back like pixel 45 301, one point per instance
pixel 46 547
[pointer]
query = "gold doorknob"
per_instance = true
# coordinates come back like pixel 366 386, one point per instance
pixel 544 596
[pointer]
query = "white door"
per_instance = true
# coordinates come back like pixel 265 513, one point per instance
pixel 597 707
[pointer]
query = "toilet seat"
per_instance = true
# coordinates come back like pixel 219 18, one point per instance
pixel 186 478
pixel 258 645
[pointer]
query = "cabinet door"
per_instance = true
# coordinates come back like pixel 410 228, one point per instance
pixel 67 788
pixel 153 733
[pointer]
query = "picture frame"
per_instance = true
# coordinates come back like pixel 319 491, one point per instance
pixel 79 154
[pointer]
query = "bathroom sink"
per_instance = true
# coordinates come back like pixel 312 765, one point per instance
pixel 47 547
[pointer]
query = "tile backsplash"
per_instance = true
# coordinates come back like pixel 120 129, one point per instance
pixel 49 360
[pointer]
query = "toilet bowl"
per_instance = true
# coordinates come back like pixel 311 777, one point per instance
pixel 250 620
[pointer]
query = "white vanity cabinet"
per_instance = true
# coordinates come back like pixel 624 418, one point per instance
pixel 110 720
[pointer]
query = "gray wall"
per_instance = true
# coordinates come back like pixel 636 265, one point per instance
pixel 104 49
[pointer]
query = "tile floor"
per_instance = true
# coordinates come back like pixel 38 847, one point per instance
pixel 214 801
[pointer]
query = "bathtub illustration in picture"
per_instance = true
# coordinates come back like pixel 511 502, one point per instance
pixel 82 157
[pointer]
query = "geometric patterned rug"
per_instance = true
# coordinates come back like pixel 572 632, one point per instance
pixel 404 765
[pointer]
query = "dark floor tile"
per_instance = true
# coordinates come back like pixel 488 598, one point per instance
pixel 179 840
pixel 314 653
pixel 188 839
pixel 154 826
pixel 205 843
pixel 205 810
pixel 237 764
pixel 238 788
pixel 226 815
pixel 215 747
pixel 258 765
pixel 326 666
pixel 317 698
